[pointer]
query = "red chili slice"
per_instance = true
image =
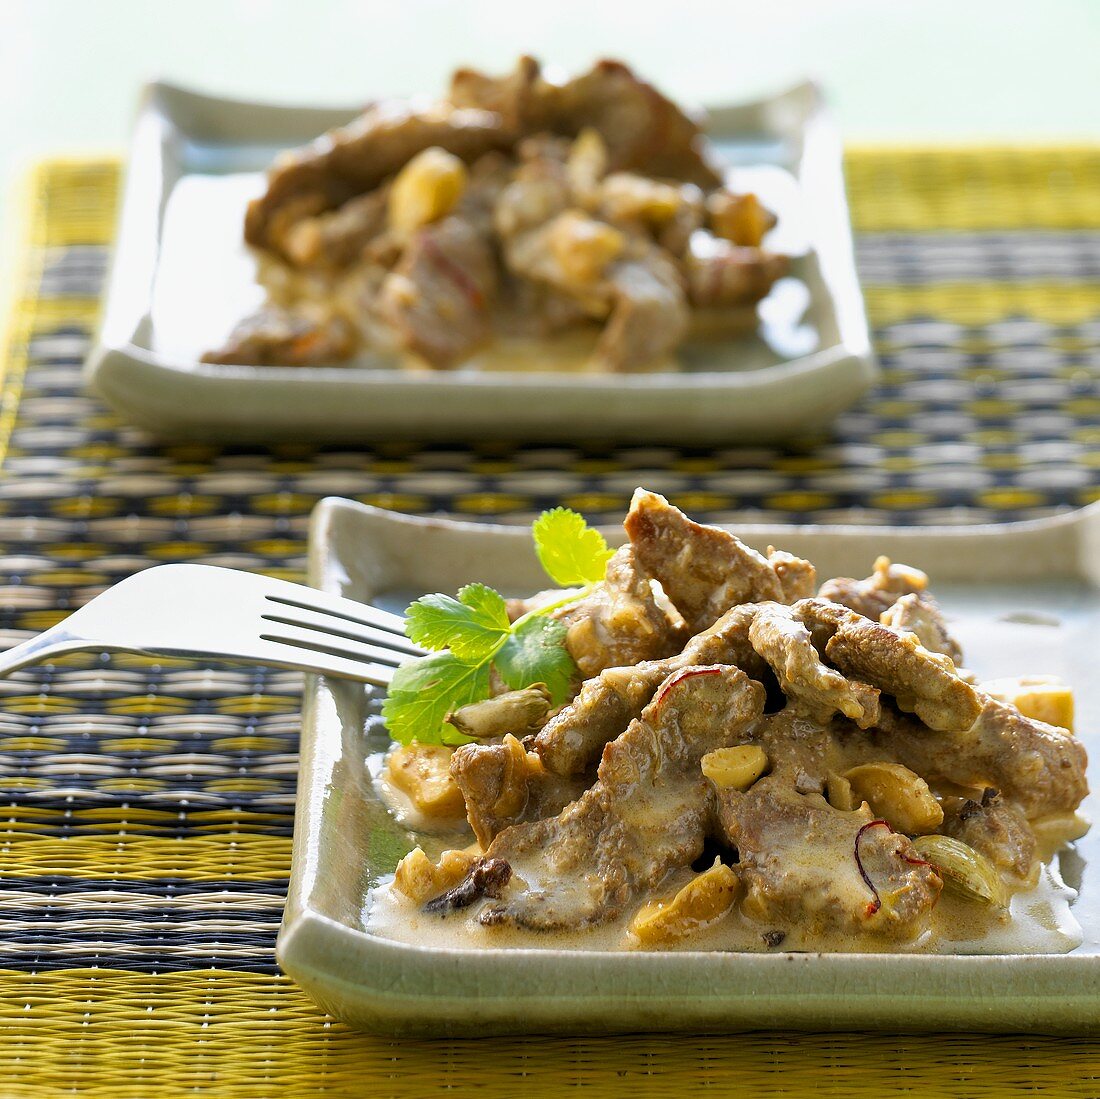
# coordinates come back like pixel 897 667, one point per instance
pixel 454 272
pixel 689 674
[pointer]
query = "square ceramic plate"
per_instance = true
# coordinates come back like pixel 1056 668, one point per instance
pixel 182 277
pixel 1023 598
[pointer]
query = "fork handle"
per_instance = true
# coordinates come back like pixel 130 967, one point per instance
pixel 54 642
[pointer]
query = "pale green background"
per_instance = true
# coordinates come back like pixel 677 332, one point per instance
pixel 933 69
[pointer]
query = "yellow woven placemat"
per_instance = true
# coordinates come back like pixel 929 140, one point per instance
pixel 145 838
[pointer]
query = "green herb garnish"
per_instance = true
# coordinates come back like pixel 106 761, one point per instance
pixel 470 635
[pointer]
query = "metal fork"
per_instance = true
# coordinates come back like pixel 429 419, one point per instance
pixel 200 612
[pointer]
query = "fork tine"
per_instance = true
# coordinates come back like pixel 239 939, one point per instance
pixel 325 623
pixel 323 635
pixel 308 599
pixel 348 648
pixel 293 654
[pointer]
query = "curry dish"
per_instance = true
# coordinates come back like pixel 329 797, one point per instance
pixel 751 759
pixel 587 219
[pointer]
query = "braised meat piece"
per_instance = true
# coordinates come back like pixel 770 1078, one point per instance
pixel 784 641
pixel 647 813
pixel 992 826
pixel 337 238
pixel 922 682
pixel 649 313
pixel 574 738
pixel 703 570
pixel 285 338
pixel 436 299
pixel 880 591
pixel 620 622
pixel 719 273
pixel 355 159
pixel 503 784
pixel 797 577
pixel 1038 767
pixel 897 596
pixel 805 864
pixel 920 614
pixel 643 130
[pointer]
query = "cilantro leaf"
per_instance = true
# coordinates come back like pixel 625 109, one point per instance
pixel 471 626
pixel 425 690
pixel 486 602
pixel 569 549
pixel 471 634
pixel 535 652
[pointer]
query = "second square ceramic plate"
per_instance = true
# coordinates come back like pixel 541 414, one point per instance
pixel 181 277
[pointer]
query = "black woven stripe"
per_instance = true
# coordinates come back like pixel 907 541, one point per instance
pixel 58 885
pixel 51 960
pixel 1007 256
pixel 148 937
pixel 246 801
pixel 151 914
pixel 181 831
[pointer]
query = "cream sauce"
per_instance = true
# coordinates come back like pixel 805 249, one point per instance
pixel 1039 919
pixel 1039 922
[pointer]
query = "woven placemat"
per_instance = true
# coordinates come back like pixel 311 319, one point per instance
pixel 145 842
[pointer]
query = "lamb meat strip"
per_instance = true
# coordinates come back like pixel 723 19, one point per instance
pixel 337 238
pixel 649 312
pixel 920 614
pixel 880 591
pixel 783 640
pixel 514 96
pixel 1036 766
pixel 501 787
pixel 573 739
pixel 817 869
pixel 620 622
pixel 647 814
pixel 642 129
pixel 922 682
pixel 797 577
pixel 994 827
pixel 722 274
pixel 436 299
pixel 704 570
pixel 282 337
pixel 356 158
